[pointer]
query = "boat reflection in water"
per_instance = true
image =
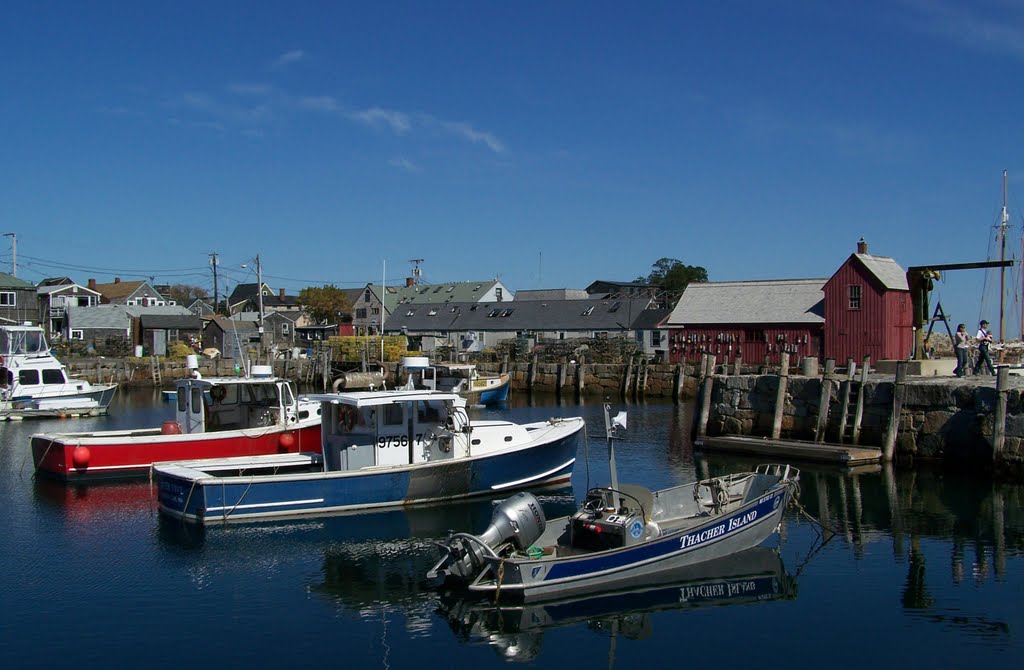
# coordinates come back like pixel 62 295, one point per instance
pixel 516 631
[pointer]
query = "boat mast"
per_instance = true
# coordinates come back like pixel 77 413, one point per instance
pixel 259 291
pixel 1002 257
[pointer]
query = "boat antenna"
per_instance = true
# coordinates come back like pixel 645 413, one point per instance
pixel 611 426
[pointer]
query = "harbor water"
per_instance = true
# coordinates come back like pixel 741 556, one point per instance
pixel 926 570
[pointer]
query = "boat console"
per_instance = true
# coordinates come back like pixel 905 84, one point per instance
pixel 600 525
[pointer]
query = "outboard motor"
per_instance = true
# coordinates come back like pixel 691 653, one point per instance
pixel 518 521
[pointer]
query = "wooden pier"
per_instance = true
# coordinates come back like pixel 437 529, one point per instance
pixel 814 452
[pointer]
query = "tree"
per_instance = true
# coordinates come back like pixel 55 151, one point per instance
pixel 185 294
pixel 324 304
pixel 672 275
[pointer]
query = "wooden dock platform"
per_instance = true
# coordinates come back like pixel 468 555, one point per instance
pixel 837 454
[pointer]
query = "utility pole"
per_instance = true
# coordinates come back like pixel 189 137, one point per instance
pixel 216 302
pixel 14 253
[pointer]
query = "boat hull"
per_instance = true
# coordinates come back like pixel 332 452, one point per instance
pixel 89 403
pixel 535 580
pixel 127 454
pixel 194 496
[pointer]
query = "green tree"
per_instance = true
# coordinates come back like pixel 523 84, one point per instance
pixel 672 275
pixel 324 304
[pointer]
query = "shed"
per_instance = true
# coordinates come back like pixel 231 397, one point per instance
pixel 868 310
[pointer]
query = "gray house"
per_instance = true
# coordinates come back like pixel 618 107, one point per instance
pixel 157 331
pixel 55 297
pixel 18 300
pixel 472 327
pixel 234 339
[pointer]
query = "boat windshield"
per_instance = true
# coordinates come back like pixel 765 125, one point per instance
pixel 18 341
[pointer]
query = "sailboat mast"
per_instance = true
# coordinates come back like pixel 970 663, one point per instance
pixel 1002 257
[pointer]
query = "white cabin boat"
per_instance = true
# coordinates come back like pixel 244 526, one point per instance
pixel 34 383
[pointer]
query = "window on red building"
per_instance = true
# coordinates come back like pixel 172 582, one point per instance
pixel 854 296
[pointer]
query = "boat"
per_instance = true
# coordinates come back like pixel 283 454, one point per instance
pixel 215 417
pixel 516 631
pixel 619 535
pixel 479 388
pixel 33 383
pixel 380 449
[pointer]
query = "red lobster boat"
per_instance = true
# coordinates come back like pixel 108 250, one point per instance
pixel 215 418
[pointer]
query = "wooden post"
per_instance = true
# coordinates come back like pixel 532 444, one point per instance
pixel 581 374
pixel 705 394
pixel 844 393
pixel 999 426
pixel 858 414
pixel 898 391
pixel 780 395
pixel 677 383
pixel 737 365
pixel 531 374
pixel 825 399
pixel 628 379
pixel 560 383
pixel 504 364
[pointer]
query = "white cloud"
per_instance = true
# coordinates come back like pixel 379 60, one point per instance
pixel 404 164
pixel 287 59
pixel 1001 31
pixel 399 122
pixel 202 103
pixel 319 103
pixel 475 136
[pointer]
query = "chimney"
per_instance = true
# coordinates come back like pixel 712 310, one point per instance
pixel 862 246
pixel 409 281
pixel 280 294
pixel 117 280
pixel 92 283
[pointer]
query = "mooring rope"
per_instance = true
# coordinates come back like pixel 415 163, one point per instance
pixel 240 498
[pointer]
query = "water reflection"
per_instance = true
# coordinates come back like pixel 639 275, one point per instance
pixel 516 631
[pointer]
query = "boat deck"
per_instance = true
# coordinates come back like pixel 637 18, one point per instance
pixel 797 450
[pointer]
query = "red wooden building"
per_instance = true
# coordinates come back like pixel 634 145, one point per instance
pixel 750 319
pixel 868 310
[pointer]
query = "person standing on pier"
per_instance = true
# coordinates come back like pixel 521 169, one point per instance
pixel 984 342
pixel 961 344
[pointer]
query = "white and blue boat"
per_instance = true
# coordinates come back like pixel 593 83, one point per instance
pixel 478 388
pixel 381 449
pixel 621 534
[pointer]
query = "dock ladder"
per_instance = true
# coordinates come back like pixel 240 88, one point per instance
pixel 154 366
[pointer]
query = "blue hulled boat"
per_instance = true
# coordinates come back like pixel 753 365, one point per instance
pixel 380 449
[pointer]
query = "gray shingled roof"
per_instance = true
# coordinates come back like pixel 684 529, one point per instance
pixel 743 302
pixel 527 315
pixel 180 321
pixel 99 316
pixel 399 296
pixel 523 295
pixel 887 270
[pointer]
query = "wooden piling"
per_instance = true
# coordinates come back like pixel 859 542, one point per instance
pixel 999 425
pixel 677 383
pixel 898 392
pixel 780 395
pixel 531 374
pixel 858 413
pixel 562 376
pixel 844 393
pixel 705 394
pixel 627 381
pixel 581 373
pixel 737 365
pixel 824 399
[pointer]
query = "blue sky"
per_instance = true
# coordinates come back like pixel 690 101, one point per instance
pixel 548 144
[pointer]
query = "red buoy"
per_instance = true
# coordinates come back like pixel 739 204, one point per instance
pixel 287 440
pixel 80 456
pixel 170 428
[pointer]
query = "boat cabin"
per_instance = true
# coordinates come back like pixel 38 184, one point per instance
pixel 27 369
pixel 237 403
pixel 387 428
pixel 454 377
